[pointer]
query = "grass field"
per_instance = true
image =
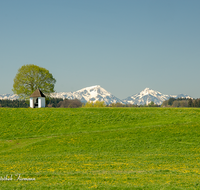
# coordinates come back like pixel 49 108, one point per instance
pixel 100 148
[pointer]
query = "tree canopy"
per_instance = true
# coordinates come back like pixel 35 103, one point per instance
pixel 31 77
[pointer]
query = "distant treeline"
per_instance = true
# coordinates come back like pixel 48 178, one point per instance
pixel 181 102
pixel 117 104
pixel 60 103
pixel 53 102
pixel 151 104
pixel 50 102
pixel 75 103
pixel 14 103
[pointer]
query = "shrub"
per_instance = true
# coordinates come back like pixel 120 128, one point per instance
pixel 70 103
pixel 95 104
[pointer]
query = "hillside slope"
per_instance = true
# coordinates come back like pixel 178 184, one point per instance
pixel 88 148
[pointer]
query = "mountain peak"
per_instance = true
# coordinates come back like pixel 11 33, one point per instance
pixel 146 91
pixel 92 88
pixel 92 93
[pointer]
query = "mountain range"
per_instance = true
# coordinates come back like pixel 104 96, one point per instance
pixel 148 95
pixel 97 93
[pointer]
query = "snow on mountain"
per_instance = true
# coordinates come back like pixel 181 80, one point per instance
pixel 182 96
pixel 9 96
pixel 97 93
pixel 93 93
pixel 148 95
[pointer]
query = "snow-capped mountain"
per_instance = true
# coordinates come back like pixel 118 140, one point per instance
pixel 93 93
pixel 148 95
pixel 97 93
pixel 9 96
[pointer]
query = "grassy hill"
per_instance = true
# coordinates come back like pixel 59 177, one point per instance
pixel 100 148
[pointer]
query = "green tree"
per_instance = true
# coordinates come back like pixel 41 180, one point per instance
pixel 165 103
pixel 170 101
pixel 89 104
pixel 99 104
pixel 32 77
pixel 196 103
pixel 151 104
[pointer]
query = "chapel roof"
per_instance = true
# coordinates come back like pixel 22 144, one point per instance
pixel 37 93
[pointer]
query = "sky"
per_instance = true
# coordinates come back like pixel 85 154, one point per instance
pixel 122 45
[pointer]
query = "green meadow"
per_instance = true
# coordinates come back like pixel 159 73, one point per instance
pixel 100 148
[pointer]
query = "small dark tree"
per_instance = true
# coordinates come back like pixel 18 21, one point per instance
pixel 52 102
pixel 151 104
pixel 195 103
pixel 165 103
pixel 176 103
pixel 190 103
pixel 70 103
pixel 184 103
pixel 170 101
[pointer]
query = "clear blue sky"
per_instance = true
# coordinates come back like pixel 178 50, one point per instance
pixel 123 46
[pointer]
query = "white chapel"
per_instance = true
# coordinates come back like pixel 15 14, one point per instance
pixel 37 99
